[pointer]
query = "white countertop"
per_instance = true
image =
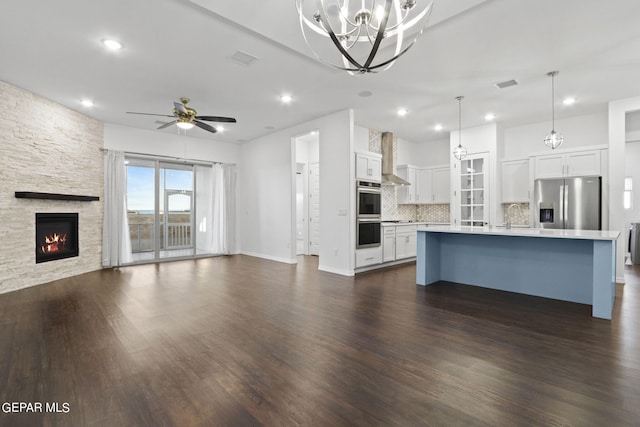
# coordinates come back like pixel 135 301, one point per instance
pixel 527 232
pixel 390 223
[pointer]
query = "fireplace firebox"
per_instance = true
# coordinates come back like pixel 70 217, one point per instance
pixel 56 236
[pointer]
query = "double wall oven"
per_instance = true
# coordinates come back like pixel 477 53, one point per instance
pixel 369 214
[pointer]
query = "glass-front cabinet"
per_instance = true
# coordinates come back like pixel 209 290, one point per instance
pixel 473 191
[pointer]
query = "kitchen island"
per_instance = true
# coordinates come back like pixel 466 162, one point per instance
pixel 568 265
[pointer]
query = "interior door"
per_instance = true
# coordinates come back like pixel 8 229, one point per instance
pixel 314 208
pixel 474 194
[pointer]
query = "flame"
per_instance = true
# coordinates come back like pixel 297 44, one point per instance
pixel 53 243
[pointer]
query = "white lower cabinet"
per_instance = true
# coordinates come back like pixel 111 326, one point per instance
pixel 406 243
pixel 368 256
pixel 389 243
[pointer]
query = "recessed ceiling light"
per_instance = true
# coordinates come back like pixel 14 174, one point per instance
pixel 87 103
pixel 286 99
pixel 402 112
pixel 438 127
pixel 313 132
pixel 269 127
pixel 112 44
pixel 569 101
pixel 365 94
pixel 220 128
pixel 489 116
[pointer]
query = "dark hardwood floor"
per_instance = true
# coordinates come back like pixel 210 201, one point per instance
pixel 242 341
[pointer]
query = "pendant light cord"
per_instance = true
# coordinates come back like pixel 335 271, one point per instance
pixel 553 97
pixel 460 120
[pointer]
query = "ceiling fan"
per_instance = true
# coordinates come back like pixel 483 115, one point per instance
pixel 186 117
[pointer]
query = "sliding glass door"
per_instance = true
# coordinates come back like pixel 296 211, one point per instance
pixel 177 207
pixel 141 207
pixel 160 207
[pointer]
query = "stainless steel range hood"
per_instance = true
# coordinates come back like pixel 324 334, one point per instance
pixel 389 162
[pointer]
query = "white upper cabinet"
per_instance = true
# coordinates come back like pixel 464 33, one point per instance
pixel 559 165
pixel 369 167
pixel 423 186
pixel 583 163
pixel 441 185
pixel 515 181
pixel 428 185
pixel 406 194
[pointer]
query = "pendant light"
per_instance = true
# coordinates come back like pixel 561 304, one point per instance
pixel 459 152
pixel 553 139
pixel 361 36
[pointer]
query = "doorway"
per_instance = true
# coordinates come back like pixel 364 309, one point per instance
pixel 307 193
pixel 631 203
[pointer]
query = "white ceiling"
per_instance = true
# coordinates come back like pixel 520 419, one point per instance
pixel 175 48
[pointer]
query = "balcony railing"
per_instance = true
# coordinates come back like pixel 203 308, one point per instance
pixel 178 236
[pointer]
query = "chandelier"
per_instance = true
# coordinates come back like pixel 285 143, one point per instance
pixel 460 152
pixel 553 139
pixel 360 29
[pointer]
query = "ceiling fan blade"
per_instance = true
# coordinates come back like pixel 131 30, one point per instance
pixel 205 126
pixel 181 108
pixel 166 125
pixel 217 119
pixel 150 114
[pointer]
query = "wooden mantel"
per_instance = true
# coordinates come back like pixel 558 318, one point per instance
pixel 55 196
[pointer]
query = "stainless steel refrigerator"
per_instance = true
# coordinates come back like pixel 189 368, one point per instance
pixel 570 203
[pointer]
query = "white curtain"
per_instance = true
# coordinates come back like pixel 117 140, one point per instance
pixel 215 209
pixel 204 209
pixel 229 187
pixel 116 241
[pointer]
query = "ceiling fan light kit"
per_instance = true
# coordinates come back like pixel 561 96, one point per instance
pixel 348 34
pixel 186 117
pixel 184 123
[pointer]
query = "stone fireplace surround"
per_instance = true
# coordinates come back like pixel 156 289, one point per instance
pixel 46 148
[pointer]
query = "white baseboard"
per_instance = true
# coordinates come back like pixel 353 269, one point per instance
pixel 620 280
pixel 270 258
pixel 336 270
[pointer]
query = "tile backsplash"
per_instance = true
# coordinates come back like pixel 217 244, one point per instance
pixel 519 214
pixel 433 213
pixel 391 210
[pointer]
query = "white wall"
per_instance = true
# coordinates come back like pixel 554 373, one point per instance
pixel 265 203
pixel 360 139
pixel 170 144
pixel 521 141
pixel 266 183
pixel 434 153
pixel 617 141
pixel 431 153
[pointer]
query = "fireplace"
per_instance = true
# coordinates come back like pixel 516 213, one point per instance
pixel 56 236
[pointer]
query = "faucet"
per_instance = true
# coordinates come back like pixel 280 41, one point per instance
pixel 508 222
